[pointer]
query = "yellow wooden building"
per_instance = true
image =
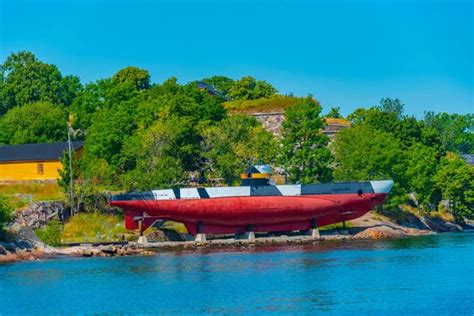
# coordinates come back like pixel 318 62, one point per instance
pixel 33 162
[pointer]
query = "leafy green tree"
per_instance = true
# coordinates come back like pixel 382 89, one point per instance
pixel 234 143
pixel 456 132
pixel 108 132
pixel 221 83
pixel 88 101
pixel 304 152
pixel 138 78
pixel 130 83
pixel 6 212
pixel 455 180
pixel 387 118
pixel 40 122
pixel 421 166
pixel 247 88
pixel 207 108
pixel 334 112
pixel 394 106
pixel 68 177
pixel 364 153
pixel 167 149
pixel 358 116
pixel 24 79
pixel 127 116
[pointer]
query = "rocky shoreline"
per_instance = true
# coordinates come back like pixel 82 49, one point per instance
pixel 27 245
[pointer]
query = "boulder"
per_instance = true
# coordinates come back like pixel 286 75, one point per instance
pixel 41 213
pixel 380 232
pixel 89 252
pixel 438 225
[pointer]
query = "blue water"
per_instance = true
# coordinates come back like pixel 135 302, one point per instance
pixel 420 275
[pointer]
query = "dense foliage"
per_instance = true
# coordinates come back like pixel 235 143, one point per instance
pixel 235 142
pixel 39 122
pixel 334 112
pixel 51 233
pixel 6 212
pixel 304 153
pixel 24 79
pixel 140 135
pixel 420 156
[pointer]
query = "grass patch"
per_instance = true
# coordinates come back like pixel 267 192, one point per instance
pixel 377 217
pixel 94 227
pixel 174 226
pixel 19 193
pixel 274 104
pixel 337 226
pixel 51 233
pixel 444 216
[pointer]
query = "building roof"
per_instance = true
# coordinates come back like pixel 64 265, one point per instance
pixel 29 152
pixel 469 159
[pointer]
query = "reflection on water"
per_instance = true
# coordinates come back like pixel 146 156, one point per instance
pixel 412 275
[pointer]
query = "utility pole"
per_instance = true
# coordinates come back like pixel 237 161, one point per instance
pixel 71 182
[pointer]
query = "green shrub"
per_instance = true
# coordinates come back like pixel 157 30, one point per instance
pixel 6 211
pixel 337 226
pixel 94 227
pixel 51 233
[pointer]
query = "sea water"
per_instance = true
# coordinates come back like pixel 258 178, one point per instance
pixel 432 275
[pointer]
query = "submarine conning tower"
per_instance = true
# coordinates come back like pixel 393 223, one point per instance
pixel 257 175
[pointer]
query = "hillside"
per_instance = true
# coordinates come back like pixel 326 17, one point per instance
pixel 262 105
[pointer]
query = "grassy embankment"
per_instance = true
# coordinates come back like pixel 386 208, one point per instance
pixel 84 227
pixel 262 105
pixel 19 194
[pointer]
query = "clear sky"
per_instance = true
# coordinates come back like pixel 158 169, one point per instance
pixel 345 53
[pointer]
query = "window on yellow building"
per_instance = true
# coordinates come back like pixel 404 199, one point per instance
pixel 40 168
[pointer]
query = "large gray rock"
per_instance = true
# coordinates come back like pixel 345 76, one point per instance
pixel 438 225
pixel 25 237
pixel 41 213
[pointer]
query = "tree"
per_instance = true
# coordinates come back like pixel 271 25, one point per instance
pixel 67 177
pixel 138 78
pixel 167 149
pixel 304 152
pixel 108 133
pixel 363 153
pixel 24 79
pixel 6 212
pixel 386 118
pixel 220 83
pixel 394 106
pixel 456 132
pixel 247 88
pixel 334 112
pixel 40 122
pixel 421 166
pixel 455 180
pixel 88 101
pixel 358 116
pixel 234 143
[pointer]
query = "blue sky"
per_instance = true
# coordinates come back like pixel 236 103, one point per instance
pixel 345 53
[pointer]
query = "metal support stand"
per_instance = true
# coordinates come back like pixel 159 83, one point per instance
pixel 141 239
pixel 200 236
pixel 250 234
pixel 314 231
